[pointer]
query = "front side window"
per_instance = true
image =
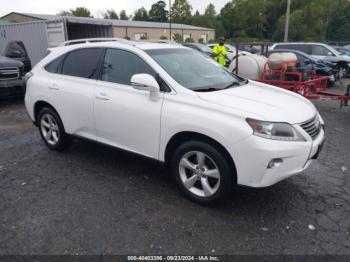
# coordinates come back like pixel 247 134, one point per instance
pixel 193 70
pixel 119 66
pixel 82 62
pixel 320 50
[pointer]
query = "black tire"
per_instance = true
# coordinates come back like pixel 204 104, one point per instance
pixel 227 175
pixel 64 140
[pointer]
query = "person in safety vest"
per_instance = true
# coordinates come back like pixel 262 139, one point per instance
pixel 220 52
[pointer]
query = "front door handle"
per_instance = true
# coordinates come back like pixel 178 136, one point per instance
pixel 102 96
pixel 54 87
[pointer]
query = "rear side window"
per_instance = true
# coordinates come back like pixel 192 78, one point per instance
pixel 119 66
pixel 55 65
pixel 82 62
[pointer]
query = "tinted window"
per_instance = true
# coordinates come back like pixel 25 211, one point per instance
pixel 193 70
pixel 302 48
pixel 17 47
pixel 82 62
pixel 55 65
pixel 282 47
pixel 119 66
pixel 319 50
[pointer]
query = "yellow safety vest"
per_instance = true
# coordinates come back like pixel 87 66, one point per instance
pixel 220 54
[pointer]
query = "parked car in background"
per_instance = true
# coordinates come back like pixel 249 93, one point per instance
pixel 347 47
pixel 201 48
pixel 310 63
pixel 342 50
pixel 17 51
pixel 212 128
pixel 249 49
pixel 11 73
pixel 321 52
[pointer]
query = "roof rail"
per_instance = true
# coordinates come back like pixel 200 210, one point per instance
pixel 95 40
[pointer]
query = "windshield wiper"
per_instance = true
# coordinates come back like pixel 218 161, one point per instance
pixel 236 84
pixel 209 89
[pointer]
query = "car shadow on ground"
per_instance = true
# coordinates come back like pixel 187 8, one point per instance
pixel 129 164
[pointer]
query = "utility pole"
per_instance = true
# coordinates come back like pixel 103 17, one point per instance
pixel 170 19
pixel 286 29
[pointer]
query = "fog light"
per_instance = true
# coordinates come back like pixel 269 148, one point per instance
pixel 274 163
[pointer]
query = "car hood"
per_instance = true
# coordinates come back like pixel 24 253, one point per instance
pixel 264 102
pixel 8 62
pixel 336 59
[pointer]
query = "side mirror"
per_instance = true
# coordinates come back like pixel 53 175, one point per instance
pixel 146 82
pixel 14 54
pixel 307 61
pixel 330 54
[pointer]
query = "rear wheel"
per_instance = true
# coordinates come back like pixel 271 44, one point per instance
pixel 202 172
pixel 52 130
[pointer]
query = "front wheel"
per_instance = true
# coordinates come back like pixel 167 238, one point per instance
pixel 52 131
pixel 343 71
pixel 202 172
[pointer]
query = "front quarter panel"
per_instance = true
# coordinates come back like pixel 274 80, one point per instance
pixel 186 112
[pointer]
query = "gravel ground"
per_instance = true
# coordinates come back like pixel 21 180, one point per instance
pixel 96 200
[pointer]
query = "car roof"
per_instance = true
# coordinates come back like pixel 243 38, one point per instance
pixel 284 50
pixel 300 43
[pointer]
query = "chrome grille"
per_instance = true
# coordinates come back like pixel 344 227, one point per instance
pixel 312 127
pixel 8 73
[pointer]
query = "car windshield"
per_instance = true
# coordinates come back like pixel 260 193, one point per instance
pixel 230 48
pixel 333 50
pixel 205 49
pixel 193 70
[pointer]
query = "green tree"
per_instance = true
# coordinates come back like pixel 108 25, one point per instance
pixel 141 15
pixel 123 15
pixel 80 12
pixel 158 12
pixel 110 14
pixel 65 13
pixel 210 11
pixel 177 38
pixel 181 11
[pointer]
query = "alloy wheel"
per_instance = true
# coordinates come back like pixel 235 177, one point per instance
pixel 49 129
pixel 199 174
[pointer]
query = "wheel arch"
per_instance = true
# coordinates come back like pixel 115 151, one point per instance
pixel 182 137
pixel 343 63
pixel 40 105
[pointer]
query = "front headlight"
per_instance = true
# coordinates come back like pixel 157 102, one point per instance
pixel 275 131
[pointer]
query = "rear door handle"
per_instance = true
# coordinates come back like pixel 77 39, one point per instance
pixel 54 87
pixel 102 96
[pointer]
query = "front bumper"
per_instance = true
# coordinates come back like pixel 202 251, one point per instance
pixel 12 88
pixel 253 155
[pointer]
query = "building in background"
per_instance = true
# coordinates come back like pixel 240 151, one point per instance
pixel 39 32
pixel 78 27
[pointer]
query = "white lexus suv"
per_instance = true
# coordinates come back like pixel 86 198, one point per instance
pixel 170 103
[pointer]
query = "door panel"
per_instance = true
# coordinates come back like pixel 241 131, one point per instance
pixel 74 98
pixel 72 89
pixel 127 118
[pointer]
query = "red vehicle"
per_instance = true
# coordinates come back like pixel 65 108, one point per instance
pixel 306 83
pixel 291 77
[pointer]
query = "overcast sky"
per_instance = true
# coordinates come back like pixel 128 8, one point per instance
pixel 53 7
